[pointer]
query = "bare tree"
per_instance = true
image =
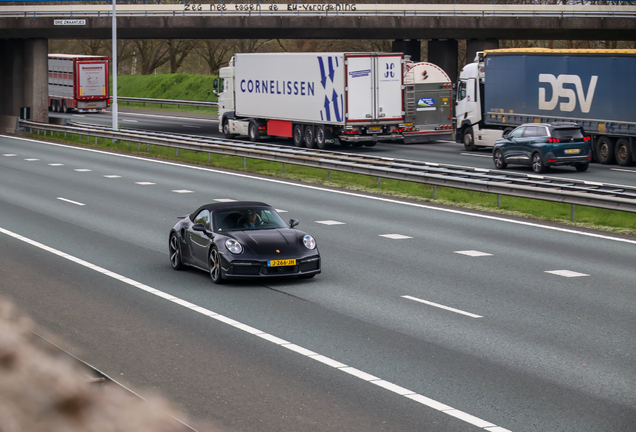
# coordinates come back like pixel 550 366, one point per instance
pixel 215 52
pixel 178 50
pixel 152 53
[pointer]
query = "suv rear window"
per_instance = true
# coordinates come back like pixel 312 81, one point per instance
pixel 567 133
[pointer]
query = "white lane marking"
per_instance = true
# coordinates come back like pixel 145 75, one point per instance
pixel 394 388
pixel 79 115
pixel 206 120
pixel 31 159
pixel 395 236
pixel 182 191
pixel 130 121
pixel 83 170
pixel 191 127
pixel 112 176
pixel 566 273
pixel 473 253
pixel 330 222
pixel 476 155
pixel 623 170
pixel 224 200
pixel 346 193
pixel 56 164
pixel 71 201
pixel 9 154
pixel 437 305
pixel 145 183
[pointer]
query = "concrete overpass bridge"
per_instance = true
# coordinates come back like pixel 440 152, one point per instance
pixel 25 29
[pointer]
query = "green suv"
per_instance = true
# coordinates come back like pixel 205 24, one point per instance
pixel 542 145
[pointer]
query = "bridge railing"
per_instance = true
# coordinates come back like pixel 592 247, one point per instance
pixel 574 8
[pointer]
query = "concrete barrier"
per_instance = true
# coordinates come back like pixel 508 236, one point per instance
pixel 8 124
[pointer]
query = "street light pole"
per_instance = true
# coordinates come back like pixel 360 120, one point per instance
pixel 114 63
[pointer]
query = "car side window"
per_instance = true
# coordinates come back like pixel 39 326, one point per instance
pixel 543 131
pixel 532 131
pixel 203 218
pixel 461 93
pixel 517 133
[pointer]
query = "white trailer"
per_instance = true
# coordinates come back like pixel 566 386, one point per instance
pixel 78 82
pixel 314 98
pixel 427 98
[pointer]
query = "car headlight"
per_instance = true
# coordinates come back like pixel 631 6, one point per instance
pixel 309 242
pixel 233 246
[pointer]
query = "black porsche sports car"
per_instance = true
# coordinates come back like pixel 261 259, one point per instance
pixel 242 239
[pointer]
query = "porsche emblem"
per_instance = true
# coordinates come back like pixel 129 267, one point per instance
pixel 277 251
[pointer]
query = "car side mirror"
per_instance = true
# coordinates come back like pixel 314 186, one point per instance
pixel 198 227
pixel 505 136
pixel 215 84
pixel 293 223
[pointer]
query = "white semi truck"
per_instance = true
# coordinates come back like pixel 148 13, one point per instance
pixel 78 82
pixel 314 98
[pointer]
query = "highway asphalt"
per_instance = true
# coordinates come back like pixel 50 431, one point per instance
pixel 425 318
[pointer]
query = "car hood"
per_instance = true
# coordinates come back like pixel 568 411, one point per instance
pixel 270 242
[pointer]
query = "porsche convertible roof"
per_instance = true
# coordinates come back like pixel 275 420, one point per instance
pixel 227 205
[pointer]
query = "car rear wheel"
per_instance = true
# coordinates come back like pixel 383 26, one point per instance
pixel 582 167
pixel 175 252
pixel 216 273
pixel 623 152
pixel 537 164
pixel 498 158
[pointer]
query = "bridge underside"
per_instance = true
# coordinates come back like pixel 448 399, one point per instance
pixel 336 27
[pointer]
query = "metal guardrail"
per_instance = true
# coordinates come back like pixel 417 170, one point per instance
pixel 574 192
pixel 489 9
pixel 167 102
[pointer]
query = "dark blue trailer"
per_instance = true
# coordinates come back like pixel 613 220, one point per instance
pixel 594 88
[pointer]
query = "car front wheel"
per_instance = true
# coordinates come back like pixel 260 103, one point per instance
pixel 537 164
pixel 175 252
pixel 216 273
pixel 498 158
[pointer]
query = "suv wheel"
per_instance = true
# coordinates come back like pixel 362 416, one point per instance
pixel 537 164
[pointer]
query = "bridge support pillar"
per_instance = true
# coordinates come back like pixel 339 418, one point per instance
pixel 410 47
pixel 24 77
pixel 444 54
pixel 475 45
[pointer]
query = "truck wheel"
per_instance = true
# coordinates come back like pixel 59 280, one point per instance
pixel 64 108
pixel 357 144
pixel 605 151
pixel 370 143
pixel 469 139
pixel 226 129
pixel 298 135
pixel 321 137
pixel 537 164
pixel 310 138
pixel 623 152
pixel 344 144
pixel 252 131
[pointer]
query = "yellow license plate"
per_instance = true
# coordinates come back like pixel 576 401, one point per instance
pixel 375 128
pixel 572 150
pixel 408 124
pixel 281 263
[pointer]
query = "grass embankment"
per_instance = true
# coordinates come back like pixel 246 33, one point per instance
pixel 171 86
pixel 586 217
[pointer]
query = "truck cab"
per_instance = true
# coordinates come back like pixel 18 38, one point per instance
pixel 469 102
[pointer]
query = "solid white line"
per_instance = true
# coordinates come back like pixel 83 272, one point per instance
pixel 347 193
pixel 69 201
pixel 437 305
pixel 394 388
pixel 476 155
pixel 623 170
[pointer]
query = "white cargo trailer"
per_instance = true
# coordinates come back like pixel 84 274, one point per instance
pixel 314 98
pixel 78 82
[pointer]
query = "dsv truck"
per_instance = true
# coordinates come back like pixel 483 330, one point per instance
pixel 594 88
pixel 314 98
pixel 78 82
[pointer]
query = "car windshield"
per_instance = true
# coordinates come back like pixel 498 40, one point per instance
pixel 566 133
pixel 247 219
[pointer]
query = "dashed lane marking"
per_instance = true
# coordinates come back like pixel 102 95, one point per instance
pixel 473 253
pixel 395 236
pixel 566 273
pixel 437 305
